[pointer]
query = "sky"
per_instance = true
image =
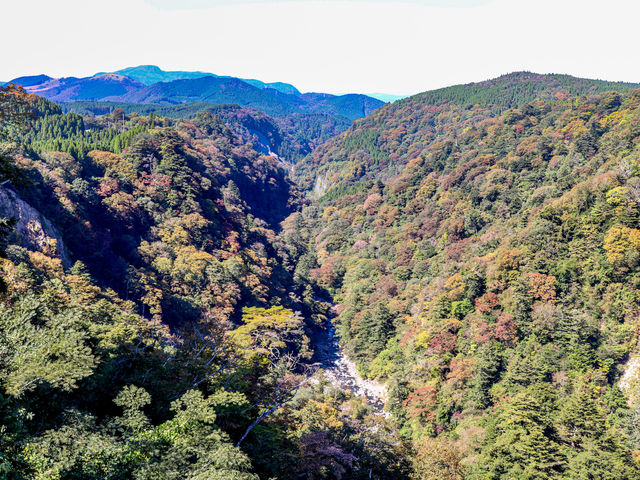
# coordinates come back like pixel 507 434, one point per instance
pixel 334 46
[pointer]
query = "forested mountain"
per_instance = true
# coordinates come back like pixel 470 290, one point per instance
pixel 520 87
pixel 486 263
pixel 30 80
pixel 274 118
pixel 211 90
pixel 216 90
pixel 72 88
pixel 291 137
pixel 166 286
pixel 150 74
pixel 418 118
pixel 152 324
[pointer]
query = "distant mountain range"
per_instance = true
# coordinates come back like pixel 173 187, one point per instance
pixel 150 74
pixel 71 88
pixel 149 84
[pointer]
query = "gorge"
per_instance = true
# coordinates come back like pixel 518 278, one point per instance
pixel 459 270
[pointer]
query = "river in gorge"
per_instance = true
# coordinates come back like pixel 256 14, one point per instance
pixel 342 372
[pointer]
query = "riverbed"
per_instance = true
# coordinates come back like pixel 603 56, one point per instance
pixel 342 372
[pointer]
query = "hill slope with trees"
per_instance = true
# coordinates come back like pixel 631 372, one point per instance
pixel 165 281
pixel 151 323
pixel 485 259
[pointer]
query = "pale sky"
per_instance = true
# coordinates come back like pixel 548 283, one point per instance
pixel 330 46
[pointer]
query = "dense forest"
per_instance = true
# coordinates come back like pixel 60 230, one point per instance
pixel 165 281
pixel 487 268
pixel 291 137
pixel 156 328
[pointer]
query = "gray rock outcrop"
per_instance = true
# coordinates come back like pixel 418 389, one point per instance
pixel 33 231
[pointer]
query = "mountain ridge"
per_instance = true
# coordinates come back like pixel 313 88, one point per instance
pixel 150 74
pixel 522 86
pixel 117 87
pixel 498 94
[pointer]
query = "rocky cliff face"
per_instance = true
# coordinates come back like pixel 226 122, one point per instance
pixel 33 230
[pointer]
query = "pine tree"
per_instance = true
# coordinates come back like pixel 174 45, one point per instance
pixel 374 330
pixel 580 419
pixel 520 444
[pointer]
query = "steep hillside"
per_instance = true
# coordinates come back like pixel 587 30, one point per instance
pixel 151 322
pixel 291 137
pixel 196 178
pixel 486 262
pixel 391 136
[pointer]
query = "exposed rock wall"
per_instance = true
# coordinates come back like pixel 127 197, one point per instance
pixel 628 383
pixel 33 230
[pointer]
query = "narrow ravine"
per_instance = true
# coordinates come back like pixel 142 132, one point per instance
pixel 342 372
